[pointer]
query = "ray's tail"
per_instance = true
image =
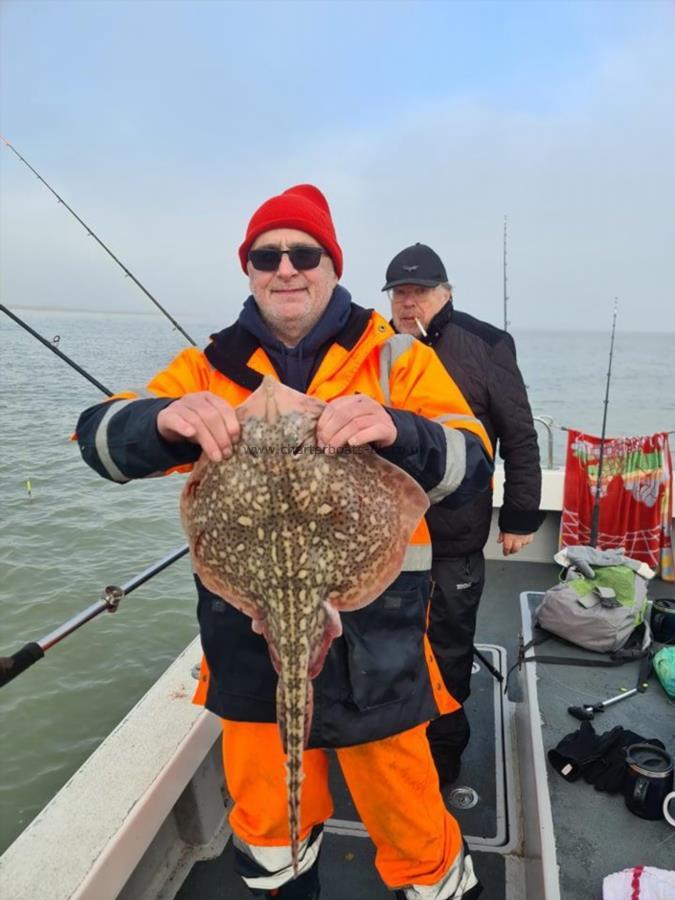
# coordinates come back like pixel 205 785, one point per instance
pixel 294 708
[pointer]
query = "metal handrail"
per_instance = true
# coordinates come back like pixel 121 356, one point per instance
pixel 548 423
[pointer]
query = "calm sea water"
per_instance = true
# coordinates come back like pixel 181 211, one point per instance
pixel 78 533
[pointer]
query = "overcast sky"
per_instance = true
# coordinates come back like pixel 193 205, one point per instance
pixel 165 124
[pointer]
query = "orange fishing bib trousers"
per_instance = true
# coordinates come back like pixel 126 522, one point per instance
pixel 393 783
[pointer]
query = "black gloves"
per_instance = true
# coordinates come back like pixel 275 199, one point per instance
pixel 600 758
pixel 578 750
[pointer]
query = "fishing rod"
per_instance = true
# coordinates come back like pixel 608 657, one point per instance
pixel 595 518
pixel 51 346
pixel 93 234
pixel 11 666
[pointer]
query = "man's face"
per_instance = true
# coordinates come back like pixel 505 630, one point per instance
pixel 412 304
pixel 291 301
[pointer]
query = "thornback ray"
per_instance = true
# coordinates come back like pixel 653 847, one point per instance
pixel 292 535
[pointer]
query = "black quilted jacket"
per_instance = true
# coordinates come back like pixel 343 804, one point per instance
pixel 482 361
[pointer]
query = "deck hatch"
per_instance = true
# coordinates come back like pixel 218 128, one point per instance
pixel 486 768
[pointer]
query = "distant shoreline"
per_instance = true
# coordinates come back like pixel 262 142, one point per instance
pixel 81 309
pixel 204 316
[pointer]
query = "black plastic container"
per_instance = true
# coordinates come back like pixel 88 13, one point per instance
pixel 649 779
pixel 662 621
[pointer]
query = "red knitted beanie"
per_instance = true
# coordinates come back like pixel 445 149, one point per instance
pixel 303 207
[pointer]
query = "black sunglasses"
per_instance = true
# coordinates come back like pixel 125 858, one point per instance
pixel 268 259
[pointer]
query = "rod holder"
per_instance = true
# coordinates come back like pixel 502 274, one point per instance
pixel 112 597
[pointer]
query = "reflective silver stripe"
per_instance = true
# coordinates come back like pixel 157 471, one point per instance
pixel 392 350
pixel 456 417
pixel 417 558
pixel 455 884
pixel 277 861
pixel 455 466
pixel 101 441
pixel 455 456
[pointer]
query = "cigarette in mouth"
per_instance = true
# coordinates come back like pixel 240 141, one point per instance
pixel 421 327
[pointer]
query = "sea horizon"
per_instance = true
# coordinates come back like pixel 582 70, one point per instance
pixel 205 315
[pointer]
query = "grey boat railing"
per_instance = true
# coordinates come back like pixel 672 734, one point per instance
pixel 549 424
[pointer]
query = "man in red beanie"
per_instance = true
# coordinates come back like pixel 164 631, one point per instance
pixel 380 684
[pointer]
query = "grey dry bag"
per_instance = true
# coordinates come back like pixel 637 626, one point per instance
pixel 599 602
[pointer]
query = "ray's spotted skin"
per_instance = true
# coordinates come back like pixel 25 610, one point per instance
pixel 291 536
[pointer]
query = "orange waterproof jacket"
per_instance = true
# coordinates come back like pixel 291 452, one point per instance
pixel 399 372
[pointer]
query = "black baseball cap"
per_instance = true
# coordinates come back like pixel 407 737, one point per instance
pixel 418 264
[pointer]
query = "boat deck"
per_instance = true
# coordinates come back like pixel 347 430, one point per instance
pixel 593 834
